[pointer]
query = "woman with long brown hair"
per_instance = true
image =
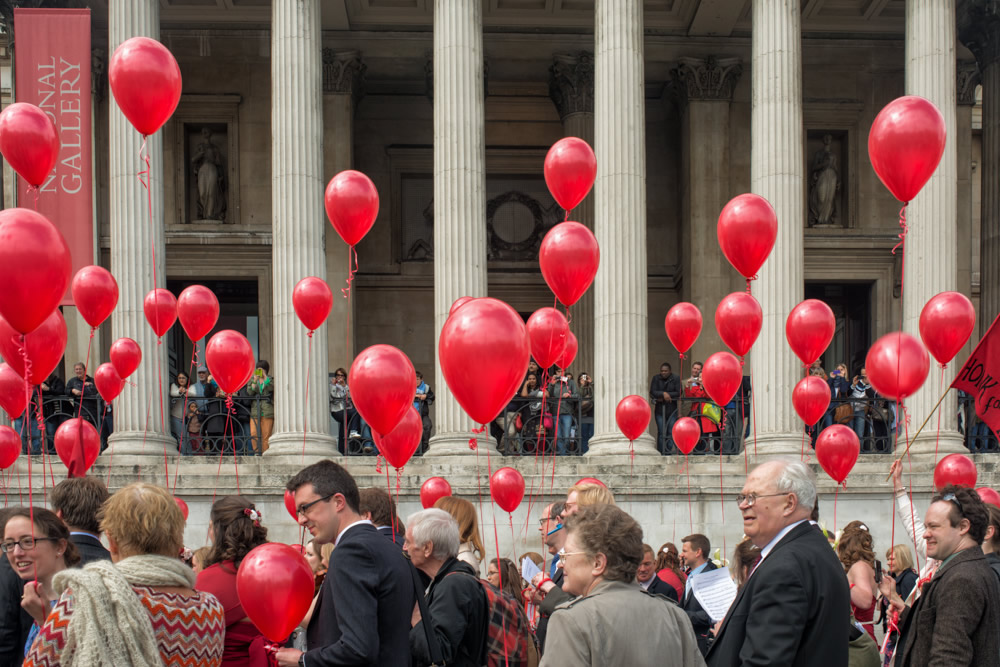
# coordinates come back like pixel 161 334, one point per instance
pixel 668 568
pixel 471 549
pixel 855 552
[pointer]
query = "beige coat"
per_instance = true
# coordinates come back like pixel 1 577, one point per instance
pixel 620 624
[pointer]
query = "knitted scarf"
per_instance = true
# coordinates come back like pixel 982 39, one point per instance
pixel 109 626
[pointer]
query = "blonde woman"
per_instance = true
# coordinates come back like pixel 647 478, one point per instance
pixel 471 549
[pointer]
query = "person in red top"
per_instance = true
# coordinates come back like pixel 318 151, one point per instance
pixel 668 568
pixel 855 552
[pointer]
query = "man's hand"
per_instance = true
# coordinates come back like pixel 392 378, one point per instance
pixel 666 397
pixel 76 392
pixel 288 657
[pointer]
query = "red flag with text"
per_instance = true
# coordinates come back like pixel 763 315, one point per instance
pixel 980 378
pixel 52 71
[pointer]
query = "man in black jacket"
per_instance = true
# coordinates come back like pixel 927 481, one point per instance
pixel 378 507
pixel 362 615
pixel 15 623
pixel 664 390
pixel 81 386
pixel 694 555
pixel 646 576
pixel 793 606
pixel 76 501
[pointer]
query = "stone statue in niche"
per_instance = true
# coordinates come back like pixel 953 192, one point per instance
pixel 207 164
pixel 824 183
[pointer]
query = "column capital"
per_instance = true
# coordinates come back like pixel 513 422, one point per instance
pixel 343 73
pixel 706 79
pixel 571 83
pixel 967 78
pixel 979 29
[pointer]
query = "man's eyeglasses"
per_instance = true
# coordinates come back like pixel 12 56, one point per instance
pixel 545 519
pixel 305 507
pixel 26 543
pixel 751 498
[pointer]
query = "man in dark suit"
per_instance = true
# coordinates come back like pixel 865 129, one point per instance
pixel 362 615
pixel 378 507
pixel 694 556
pixel 77 501
pixel 549 588
pixel 646 576
pixel 792 610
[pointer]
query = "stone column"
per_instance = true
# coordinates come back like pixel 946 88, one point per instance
pixel 572 90
pixel 931 251
pixel 459 192
pixel 620 295
pixel 777 173
pixel 142 425
pixel 299 224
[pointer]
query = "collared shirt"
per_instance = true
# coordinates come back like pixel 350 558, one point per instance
pixel 777 538
pixel 645 584
pixel 553 566
pixel 697 570
pixel 356 523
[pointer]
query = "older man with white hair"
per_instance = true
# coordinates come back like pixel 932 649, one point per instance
pixel 795 605
pixel 455 598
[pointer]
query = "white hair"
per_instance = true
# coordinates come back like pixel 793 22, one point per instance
pixel 437 527
pixel 796 477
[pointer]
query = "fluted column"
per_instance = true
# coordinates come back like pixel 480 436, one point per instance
pixel 931 259
pixel 620 295
pixel 299 225
pixel 572 90
pixel 459 191
pixel 141 422
pixel 777 173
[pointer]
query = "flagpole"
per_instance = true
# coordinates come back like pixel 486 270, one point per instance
pixel 929 415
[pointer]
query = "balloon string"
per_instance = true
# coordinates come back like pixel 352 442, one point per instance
pixel 86 366
pixel 743 421
pixel 23 349
pixel 496 539
pixel 305 413
pixel 230 411
pixel 722 496
pixel 687 472
pixel 836 493
pixel 388 486
pixel 40 423
pixel 479 493
pixel 346 292
pixel 159 383
pixel 557 434
pixel 937 437
pixel 631 464
pixel 906 432
pixel 145 430
pixel 33 190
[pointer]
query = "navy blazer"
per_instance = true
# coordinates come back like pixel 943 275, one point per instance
pixel 90 548
pixel 362 616
pixel 700 619
pixel 660 587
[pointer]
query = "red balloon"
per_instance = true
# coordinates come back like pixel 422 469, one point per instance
pixel 632 415
pixel 569 257
pixel 398 445
pixel 957 469
pixel 811 398
pixel 45 346
pixel 897 365
pixel 230 360
pixel 10 447
pixel 183 506
pixel 837 449
pixel 547 331
pixel 590 480
pixel 809 329
pixel 95 293
pixel 298 548
pixel 483 351
pixel 290 505
pixel 683 325
pixel 146 82
pixel 507 488
pixel 382 383
pixel 987 495
pixel 905 145
pixel 35 268
pixel 738 320
pixel 432 490
pixel 77 443
pixel 570 170
pixel 29 141
pixel 459 302
pixel 275 586
pixel 312 300
pixel 747 229
pixel 351 205
pixel 946 322
pixel 12 397
pixel 569 352
pixel 160 307
pixel 198 311
pixel 686 433
pixel 722 375
pixel 109 383
pixel 125 356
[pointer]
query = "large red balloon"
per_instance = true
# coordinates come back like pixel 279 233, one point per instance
pixel 569 352
pixel 382 383
pixel 398 445
pixel 570 170
pixel 230 360
pixel 837 449
pixel 811 398
pixel 125 356
pixel 290 505
pixel 809 329
pixel 987 495
pixel 547 331
pixel 160 308
pixel 906 143
pixel 632 415
pixel 275 586
pixel 198 311
pixel 351 205
pixel 957 469
pixel 507 488
pixel 722 375
pixel 45 346
pixel 897 365
pixel 95 293
pixel 683 325
pixel 459 302
pixel 10 447
pixel 569 257
pixel 77 443
pixel 183 507
pixel 35 268
pixel 747 229
pixel 12 397
pixel 946 322
pixel 686 433
pixel 432 490
pixel 483 351
pixel 738 320
pixel 312 300
pixel 29 141
pixel 108 382
pixel 146 82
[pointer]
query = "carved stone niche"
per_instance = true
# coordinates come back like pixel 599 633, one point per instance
pixel 827 177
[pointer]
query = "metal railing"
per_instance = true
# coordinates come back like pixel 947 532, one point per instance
pixel 56 409
pixel 527 427
pixel 721 429
pixel 976 434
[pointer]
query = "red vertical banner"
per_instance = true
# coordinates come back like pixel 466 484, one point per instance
pixel 52 71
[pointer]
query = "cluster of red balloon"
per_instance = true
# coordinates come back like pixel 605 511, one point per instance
pixel 382 382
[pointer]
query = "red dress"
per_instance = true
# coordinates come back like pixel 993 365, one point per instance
pixel 244 644
pixel 668 576
pixel 865 616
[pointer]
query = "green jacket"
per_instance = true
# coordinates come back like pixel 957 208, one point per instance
pixel 264 408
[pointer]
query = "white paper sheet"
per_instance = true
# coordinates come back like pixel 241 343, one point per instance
pixel 528 569
pixel 715 590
